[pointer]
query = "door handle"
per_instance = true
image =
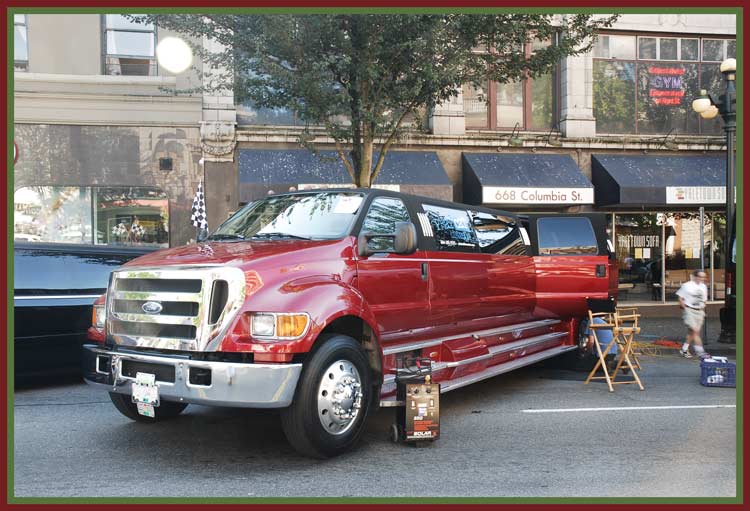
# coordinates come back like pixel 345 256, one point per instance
pixel 424 271
pixel 601 270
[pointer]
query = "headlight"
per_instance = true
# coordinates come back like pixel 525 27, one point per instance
pixel 263 325
pixel 98 315
pixel 279 325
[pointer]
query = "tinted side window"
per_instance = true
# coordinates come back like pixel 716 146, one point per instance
pixel 566 236
pixel 452 228
pixel 381 218
pixel 497 234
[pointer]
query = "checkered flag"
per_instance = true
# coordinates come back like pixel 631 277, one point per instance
pixel 199 217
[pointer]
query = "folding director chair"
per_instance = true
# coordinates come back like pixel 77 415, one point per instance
pixel 604 310
pixel 623 322
pixel 626 319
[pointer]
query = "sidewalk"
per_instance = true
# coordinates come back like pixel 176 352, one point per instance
pixel 663 325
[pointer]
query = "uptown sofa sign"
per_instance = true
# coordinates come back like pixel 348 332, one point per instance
pixel 524 195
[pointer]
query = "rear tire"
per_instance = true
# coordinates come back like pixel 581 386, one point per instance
pixel 579 360
pixel 166 409
pixel 332 400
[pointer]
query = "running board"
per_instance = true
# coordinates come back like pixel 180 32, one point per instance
pixel 492 352
pixel 481 333
pixel 504 368
pixel 487 373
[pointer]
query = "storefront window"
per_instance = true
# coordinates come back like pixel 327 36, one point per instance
pixel 664 97
pixel 20 43
pixel 130 47
pixel 682 248
pixel 475 106
pixel 131 216
pixel 249 114
pixel 669 75
pixel 614 96
pixel 642 239
pixel 526 104
pixel 85 215
pixel 712 80
pixel 638 250
pixel 542 102
pixel 52 214
pixel 509 104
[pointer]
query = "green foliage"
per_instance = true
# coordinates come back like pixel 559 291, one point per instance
pixel 361 75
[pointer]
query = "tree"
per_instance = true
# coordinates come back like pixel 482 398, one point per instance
pixel 360 75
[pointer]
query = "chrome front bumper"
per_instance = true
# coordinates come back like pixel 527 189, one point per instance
pixel 231 384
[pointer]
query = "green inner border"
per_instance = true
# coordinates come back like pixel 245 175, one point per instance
pixel 444 500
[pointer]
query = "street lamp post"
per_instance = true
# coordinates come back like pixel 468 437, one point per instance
pixel 726 106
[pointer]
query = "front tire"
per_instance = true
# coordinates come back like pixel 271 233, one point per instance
pixel 332 400
pixel 166 410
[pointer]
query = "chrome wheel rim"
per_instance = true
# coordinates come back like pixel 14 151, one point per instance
pixel 339 397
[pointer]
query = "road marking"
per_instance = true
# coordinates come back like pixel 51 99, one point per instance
pixel 619 408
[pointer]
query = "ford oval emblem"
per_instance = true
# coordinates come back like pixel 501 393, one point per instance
pixel 152 307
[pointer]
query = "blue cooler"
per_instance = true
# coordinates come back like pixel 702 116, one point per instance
pixel 718 372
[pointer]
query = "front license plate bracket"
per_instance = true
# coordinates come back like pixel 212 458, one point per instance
pixel 145 393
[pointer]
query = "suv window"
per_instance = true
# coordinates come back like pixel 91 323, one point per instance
pixel 381 218
pixel 566 236
pixel 451 228
pixel 497 234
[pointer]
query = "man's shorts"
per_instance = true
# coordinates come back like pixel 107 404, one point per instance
pixel 693 318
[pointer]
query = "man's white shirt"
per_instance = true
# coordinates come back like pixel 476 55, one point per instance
pixel 694 294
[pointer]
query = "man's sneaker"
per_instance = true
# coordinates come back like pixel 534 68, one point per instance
pixel 686 353
pixel 704 355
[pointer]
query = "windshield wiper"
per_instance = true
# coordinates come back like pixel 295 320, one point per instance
pixel 279 235
pixel 222 236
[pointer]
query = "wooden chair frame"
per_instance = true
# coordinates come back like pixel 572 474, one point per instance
pixel 626 319
pixel 609 324
pixel 624 325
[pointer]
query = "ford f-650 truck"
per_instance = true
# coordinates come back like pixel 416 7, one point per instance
pixel 311 301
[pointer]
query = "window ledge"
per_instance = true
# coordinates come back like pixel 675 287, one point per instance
pixel 159 81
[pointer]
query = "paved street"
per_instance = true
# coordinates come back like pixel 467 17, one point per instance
pixel 499 438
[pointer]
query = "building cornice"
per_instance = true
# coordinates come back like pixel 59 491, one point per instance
pixel 156 81
pixel 500 140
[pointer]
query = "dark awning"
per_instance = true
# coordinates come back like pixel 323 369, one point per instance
pixel 262 170
pixel 638 180
pixel 529 179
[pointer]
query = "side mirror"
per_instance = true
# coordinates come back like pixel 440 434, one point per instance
pixel 404 240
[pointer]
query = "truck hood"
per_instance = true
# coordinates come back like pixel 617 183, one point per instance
pixel 235 253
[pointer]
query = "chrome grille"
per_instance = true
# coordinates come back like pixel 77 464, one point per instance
pixel 177 308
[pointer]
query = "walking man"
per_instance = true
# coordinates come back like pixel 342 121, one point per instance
pixel 693 295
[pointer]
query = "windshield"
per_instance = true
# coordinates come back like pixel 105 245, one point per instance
pixel 322 215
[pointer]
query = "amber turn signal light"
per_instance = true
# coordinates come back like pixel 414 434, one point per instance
pixel 291 325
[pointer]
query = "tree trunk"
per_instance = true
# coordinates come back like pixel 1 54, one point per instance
pixel 365 169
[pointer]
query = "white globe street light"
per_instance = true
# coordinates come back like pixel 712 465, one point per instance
pixel 703 102
pixel 729 65
pixel 710 112
pixel 174 55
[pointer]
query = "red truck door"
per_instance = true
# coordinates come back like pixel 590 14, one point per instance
pixel 458 270
pixel 394 285
pixel 572 262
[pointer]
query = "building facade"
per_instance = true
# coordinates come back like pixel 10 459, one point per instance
pixel 610 131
